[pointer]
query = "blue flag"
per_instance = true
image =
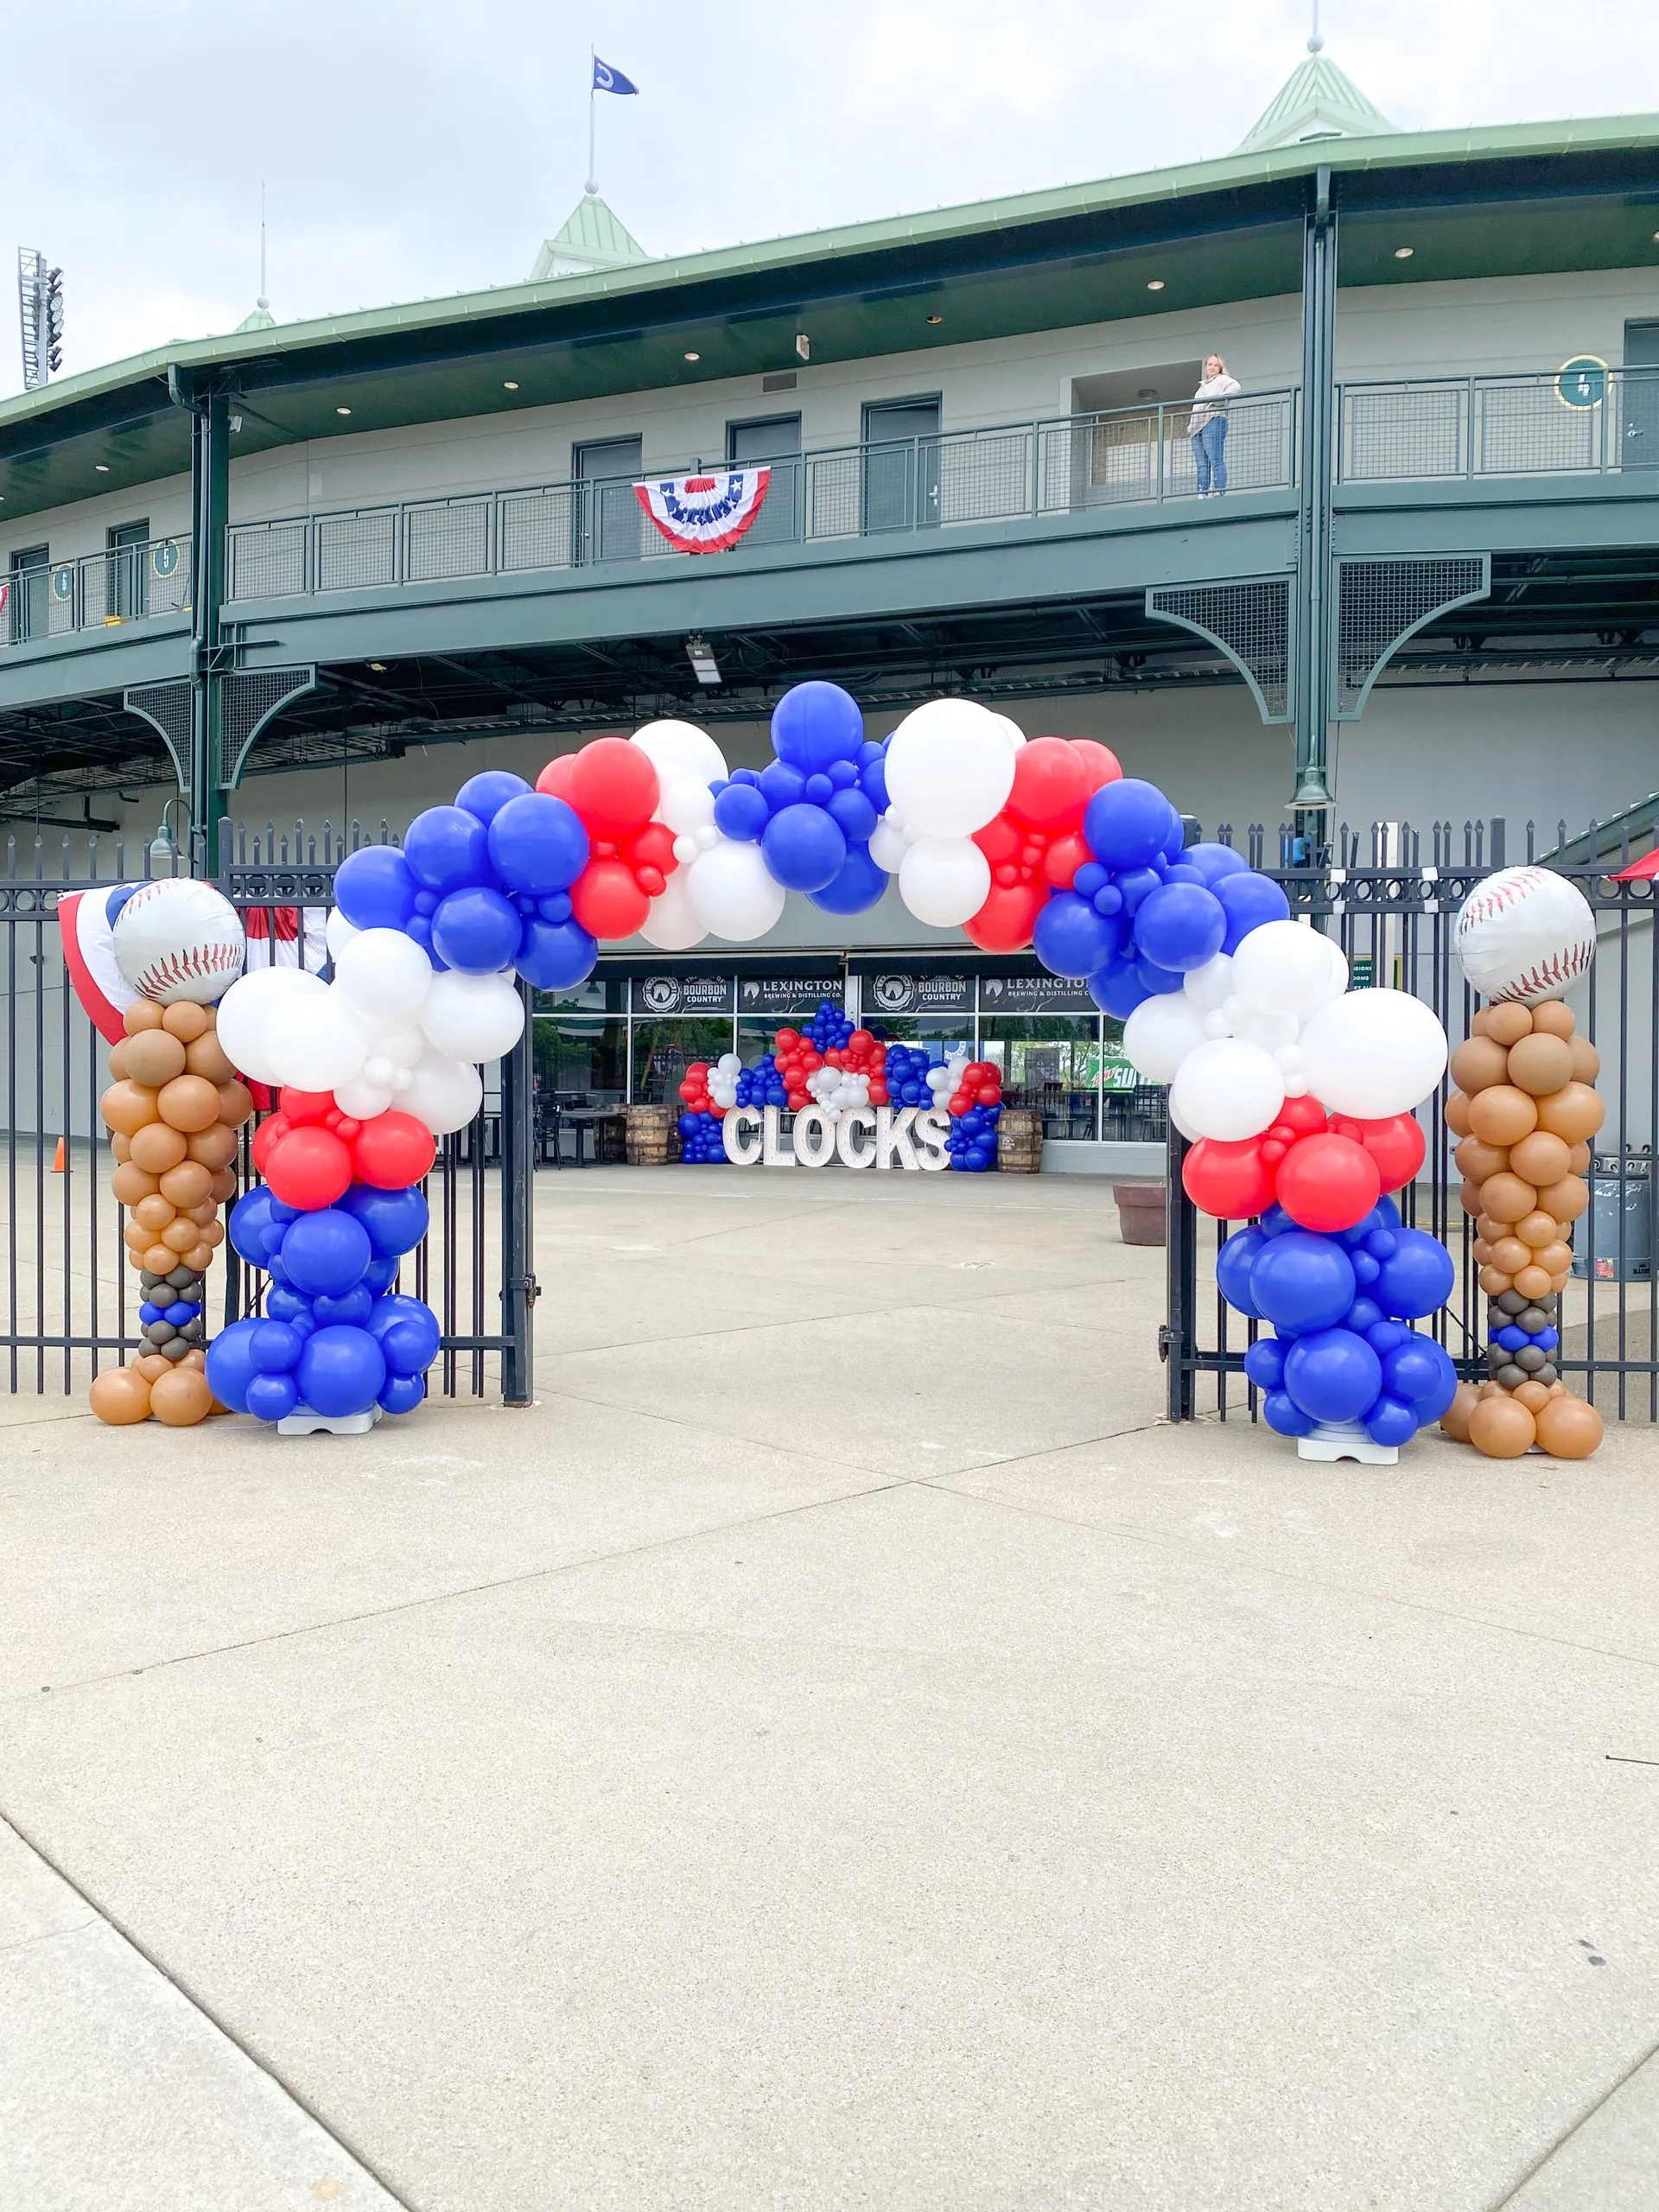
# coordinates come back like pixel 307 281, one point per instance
pixel 606 79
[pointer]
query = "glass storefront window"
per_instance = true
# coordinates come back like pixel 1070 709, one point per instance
pixel 598 994
pixel 1131 1112
pixel 664 1049
pixel 942 1034
pixel 1049 1061
pixel 579 1057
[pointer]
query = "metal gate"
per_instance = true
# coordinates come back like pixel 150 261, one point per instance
pixel 67 1301
pixel 1390 897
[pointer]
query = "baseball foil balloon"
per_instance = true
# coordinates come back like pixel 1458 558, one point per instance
pixel 1525 934
pixel 177 940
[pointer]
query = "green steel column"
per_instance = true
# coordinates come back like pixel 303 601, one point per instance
pixel 208 402
pixel 1315 572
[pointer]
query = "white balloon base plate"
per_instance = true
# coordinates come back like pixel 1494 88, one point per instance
pixel 303 1422
pixel 1346 1440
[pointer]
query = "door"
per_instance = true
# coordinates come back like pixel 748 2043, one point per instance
pixel 901 464
pixel 30 582
pixel 1639 444
pixel 776 439
pixel 126 596
pixel 607 513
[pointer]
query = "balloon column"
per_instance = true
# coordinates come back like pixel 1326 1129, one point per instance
pixel 1524 1109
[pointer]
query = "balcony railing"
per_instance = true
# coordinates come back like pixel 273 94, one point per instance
pixel 876 490
pixel 1582 420
pixel 96 592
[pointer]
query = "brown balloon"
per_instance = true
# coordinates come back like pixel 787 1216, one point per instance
pixel 224 1187
pixel 154 1057
pixel 155 1213
pixel 235 1103
pixel 1455 1114
pixel 1489 1389
pixel 1532 1281
pixel 121 1147
pixel 127 1107
pixel 118 1068
pixel 1502 1429
pixel 129 1184
pixel 181 1234
pixel 188 1103
pixel 1469 1195
pixel 182 1399
pixel 1455 1420
pixel 157 1148
pixel 1535 1397
pixel 149 1364
pixel 1507 1025
pixel 1586 1060
pixel 202 1214
pixel 189 1184
pixel 120 1397
pixel 1477 1064
pixel 135 1238
pixel 1495 1282
pixel 1475 1160
pixel 1567 1199
pixel 1553 1019
pixel 206 1057
pixel 1574 1112
pixel 1578 1160
pixel 1540 1158
pixel 187 1021
pixel 1489 1230
pixel 1535 1231
pixel 1541 1064
pixel 1569 1429
pixel 1502 1115
pixel 142 1014
pixel 200 1256
pixel 1555 1259
pixel 212 1234
pixel 215 1148
pixel 1509 1253
pixel 1507 1198
pixel 1481 1254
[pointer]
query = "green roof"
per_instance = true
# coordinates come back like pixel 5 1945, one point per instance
pixel 592 237
pixel 1317 101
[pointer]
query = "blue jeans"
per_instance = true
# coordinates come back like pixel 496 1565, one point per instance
pixel 1210 454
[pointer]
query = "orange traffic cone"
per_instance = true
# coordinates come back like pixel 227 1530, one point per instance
pixel 57 1159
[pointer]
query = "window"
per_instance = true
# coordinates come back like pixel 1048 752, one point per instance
pixel 607 513
pixel 30 585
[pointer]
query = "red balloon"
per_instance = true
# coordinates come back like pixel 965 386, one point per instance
pixel 1005 922
pixel 310 1168
pixel 1298 1117
pixel 393 1151
pixel 1328 1182
pixel 613 788
pixel 1063 860
pixel 1051 785
pixel 652 848
pixel 1100 762
pixel 270 1133
pixel 555 778
pixel 1230 1179
pixel 1397 1145
pixel 307 1105
pixel 1000 840
pixel 607 900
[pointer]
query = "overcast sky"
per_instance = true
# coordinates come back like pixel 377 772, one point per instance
pixel 425 147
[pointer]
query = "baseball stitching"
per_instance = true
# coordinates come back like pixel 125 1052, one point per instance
pixel 1509 893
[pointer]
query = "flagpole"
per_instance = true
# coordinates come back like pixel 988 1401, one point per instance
pixel 593 181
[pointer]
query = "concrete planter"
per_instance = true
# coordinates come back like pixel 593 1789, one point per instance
pixel 1140 1212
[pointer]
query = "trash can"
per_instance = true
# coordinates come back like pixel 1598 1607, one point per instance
pixel 1616 1202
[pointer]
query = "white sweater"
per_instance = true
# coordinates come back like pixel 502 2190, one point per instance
pixel 1216 389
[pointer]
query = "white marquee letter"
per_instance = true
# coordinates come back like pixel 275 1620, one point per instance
pixel 740 1132
pixel 856 1121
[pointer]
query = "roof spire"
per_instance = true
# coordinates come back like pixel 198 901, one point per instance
pixel 1315 44
pixel 262 317
pixel 1318 100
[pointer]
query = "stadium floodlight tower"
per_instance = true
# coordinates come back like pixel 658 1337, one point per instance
pixel 40 314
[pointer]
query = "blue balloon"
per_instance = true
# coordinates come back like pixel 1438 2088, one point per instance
pixel 403 1393
pixel 1383 1337
pixel 396 1220
pixel 857 888
pixel 1276 1222
pixel 741 812
pixel 1249 900
pixel 1117 990
pixel 378 1275
pixel 341 1371
pixel 1133 887
pixel 1125 823
pixel 446 847
pixel 873 779
pixel 1511 1338
pixel 1433 1403
pixel 1159 982
pixel 1416 1370
pixel 1362 1316
pixel 555 956
pixel 1211 862
pixel 250 1224
pixel 274 1347
pixel 1302 1280
pixel 272 1397
pixel 815 724
pixel 230 1364
pixel 1417 1279
pixel 1391 1420
pixel 326 1252
pixel 1180 926
pixel 1280 1412
pixel 407 1331
pixel 804 849
pixel 781 785
pixel 1334 1374
pixel 537 844
pixel 477 930
pixel 344 1309
pixel 374 888
pixel 1233 1264
pixel 286 1305
pixel 1175 838
pixel 486 793
pixel 1264 1362
pixel 854 816
pixel 1070 939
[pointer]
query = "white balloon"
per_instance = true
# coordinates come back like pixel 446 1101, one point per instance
pixel 337 932
pixel 362 1096
pixel 1185 1128
pixel 949 768
pixel 247 1007
pixel 1011 730
pixel 1373 1053
pixel 1227 1089
pixel 732 892
pixel 681 749
pixel 672 924
pixel 686 806
pixel 888 845
pixel 1282 968
pixel 1269 1030
pixel 1212 985
pixel 471 1017
pixel 316 1044
pixel 1339 983
pixel 1215 1022
pixel 943 881
pixel 381 968
pixel 399 1041
pixel 1160 1032
pixel 686 848
pixel 443 1093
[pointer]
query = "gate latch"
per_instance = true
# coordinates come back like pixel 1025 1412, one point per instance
pixel 531 1287
pixel 1165 1338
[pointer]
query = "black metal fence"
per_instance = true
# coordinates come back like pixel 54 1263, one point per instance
pixel 1390 896
pixel 70 1305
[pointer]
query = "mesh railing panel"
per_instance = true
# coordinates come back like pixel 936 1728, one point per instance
pixel 449 538
pixel 1379 602
pixel 267 560
pixel 1387 437
pixel 250 695
pixel 355 551
pixel 1250 621
pixel 1524 429
pixel 534 529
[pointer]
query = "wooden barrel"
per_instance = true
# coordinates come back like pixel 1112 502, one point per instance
pixel 1019 1141
pixel 647 1135
pixel 1140 1212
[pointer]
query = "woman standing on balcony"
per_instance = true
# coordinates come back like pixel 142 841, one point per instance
pixel 1207 426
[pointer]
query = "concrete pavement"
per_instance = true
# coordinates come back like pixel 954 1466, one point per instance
pixel 837 1750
